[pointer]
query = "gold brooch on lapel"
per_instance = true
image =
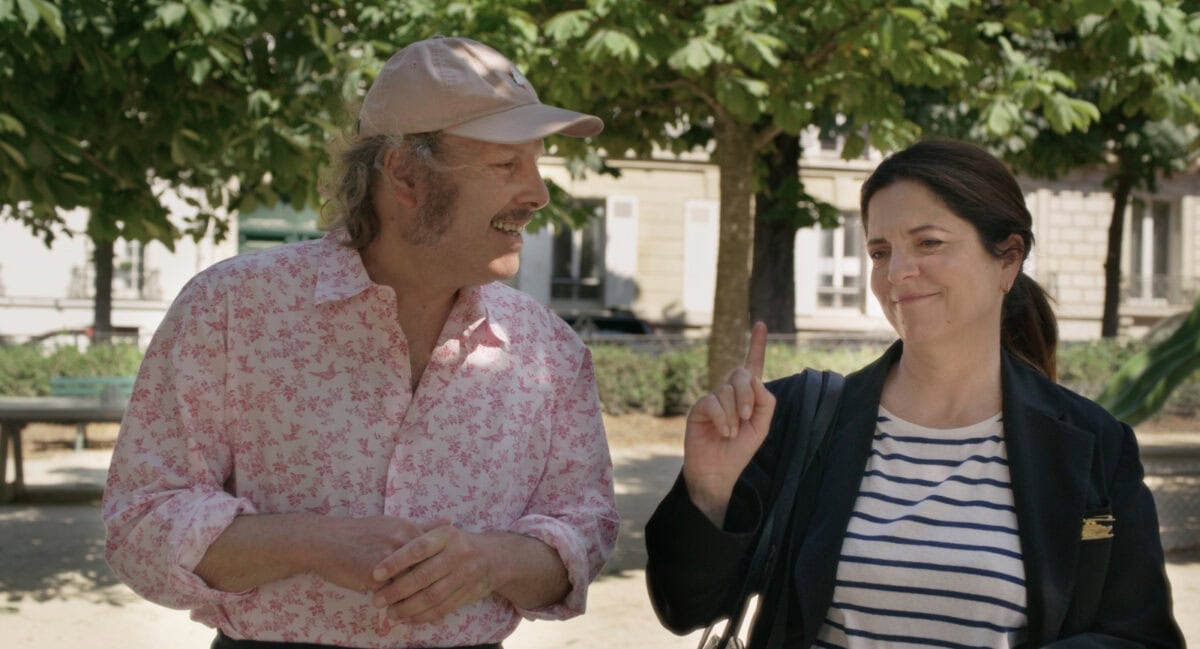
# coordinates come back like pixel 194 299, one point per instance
pixel 1098 527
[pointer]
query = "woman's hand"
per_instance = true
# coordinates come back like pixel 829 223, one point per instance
pixel 725 429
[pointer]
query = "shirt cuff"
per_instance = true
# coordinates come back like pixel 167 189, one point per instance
pixel 574 553
pixel 211 514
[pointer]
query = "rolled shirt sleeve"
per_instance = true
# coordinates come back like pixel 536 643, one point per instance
pixel 580 524
pixel 165 501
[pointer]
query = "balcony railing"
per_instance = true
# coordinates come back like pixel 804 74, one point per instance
pixel 1173 290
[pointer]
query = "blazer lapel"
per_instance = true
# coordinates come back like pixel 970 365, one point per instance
pixel 1049 461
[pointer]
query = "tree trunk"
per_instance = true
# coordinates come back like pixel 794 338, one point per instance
pixel 731 303
pixel 102 330
pixel 1110 321
pixel 773 276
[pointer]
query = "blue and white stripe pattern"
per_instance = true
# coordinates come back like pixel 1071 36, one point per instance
pixel 931 556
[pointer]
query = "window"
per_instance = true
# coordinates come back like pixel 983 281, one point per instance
pixel 840 266
pixel 129 270
pixel 577 266
pixel 1151 275
pixel 132 278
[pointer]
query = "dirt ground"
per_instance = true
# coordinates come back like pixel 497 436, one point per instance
pixel 56 592
pixel 624 431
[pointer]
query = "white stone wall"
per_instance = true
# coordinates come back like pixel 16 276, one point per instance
pixel 36 281
pixel 1070 222
pixel 662 190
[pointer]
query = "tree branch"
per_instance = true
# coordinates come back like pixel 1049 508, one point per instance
pixel 831 41
pixel 124 183
pixel 693 88
pixel 766 136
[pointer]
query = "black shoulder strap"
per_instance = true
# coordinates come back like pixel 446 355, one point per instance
pixel 816 394
pixel 810 427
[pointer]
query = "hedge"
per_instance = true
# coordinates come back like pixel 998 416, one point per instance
pixel 26 370
pixel 658 382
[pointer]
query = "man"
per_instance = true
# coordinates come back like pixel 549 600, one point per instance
pixel 367 441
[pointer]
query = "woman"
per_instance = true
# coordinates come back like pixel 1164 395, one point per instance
pixel 965 499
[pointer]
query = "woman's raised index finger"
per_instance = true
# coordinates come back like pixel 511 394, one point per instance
pixel 757 353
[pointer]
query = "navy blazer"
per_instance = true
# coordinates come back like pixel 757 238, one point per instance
pixel 1069 460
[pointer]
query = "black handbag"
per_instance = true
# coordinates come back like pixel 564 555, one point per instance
pixel 807 404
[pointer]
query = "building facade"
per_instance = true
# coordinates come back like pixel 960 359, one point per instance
pixel 651 248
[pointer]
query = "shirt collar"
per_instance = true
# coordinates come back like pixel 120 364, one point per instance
pixel 341 276
pixel 340 271
pixel 478 315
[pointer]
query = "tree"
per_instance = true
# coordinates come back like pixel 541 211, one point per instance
pixel 1138 62
pixel 109 106
pixel 740 73
pixel 781 208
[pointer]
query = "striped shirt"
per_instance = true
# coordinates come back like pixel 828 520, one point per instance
pixel 931 557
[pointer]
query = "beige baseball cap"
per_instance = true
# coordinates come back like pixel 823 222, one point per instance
pixel 465 88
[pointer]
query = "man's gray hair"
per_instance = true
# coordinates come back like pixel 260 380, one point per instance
pixel 356 166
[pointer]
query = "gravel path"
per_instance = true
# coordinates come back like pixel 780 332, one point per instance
pixel 59 593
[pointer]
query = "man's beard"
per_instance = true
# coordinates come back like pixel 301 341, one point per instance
pixel 433 215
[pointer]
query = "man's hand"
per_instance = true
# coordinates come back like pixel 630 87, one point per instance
pixel 260 548
pixel 725 429
pixel 351 548
pixel 448 568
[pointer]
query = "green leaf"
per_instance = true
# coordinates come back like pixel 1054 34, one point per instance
pixel 202 16
pixel 765 46
pixel 741 97
pixel 222 14
pixel 171 13
pixel 853 146
pixel 1001 117
pixel 568 25
pixel 952 59
pixel 182 151
pixel 6 10
pixel 1059 113
pixel 14 154
pixel 991 28
pixel 1151 11
pixel 49 14
pixel 198 70
pixel 1066 113
pixel 11 124
pixel 1094 7
pixel 1140 386
pixel 612 44
pixel 29 12
pixel 696 56
pixel 722 16
pixel 153 47
pixel 910 14
pixel 1152 47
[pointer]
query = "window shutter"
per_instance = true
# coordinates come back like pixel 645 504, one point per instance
pixel 620 251
pixel 701 229
pixel 533 277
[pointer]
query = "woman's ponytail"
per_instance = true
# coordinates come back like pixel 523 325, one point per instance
pixel 1029 329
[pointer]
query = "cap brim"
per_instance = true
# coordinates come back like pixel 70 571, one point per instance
pixel 529 122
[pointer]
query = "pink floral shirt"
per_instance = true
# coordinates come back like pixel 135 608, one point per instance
pixel 279 382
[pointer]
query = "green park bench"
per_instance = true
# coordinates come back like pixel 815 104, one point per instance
pixel 106 388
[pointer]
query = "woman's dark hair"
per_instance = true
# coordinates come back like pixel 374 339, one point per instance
pixel 979 189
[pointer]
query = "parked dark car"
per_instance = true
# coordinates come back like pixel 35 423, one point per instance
pixel 607 323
